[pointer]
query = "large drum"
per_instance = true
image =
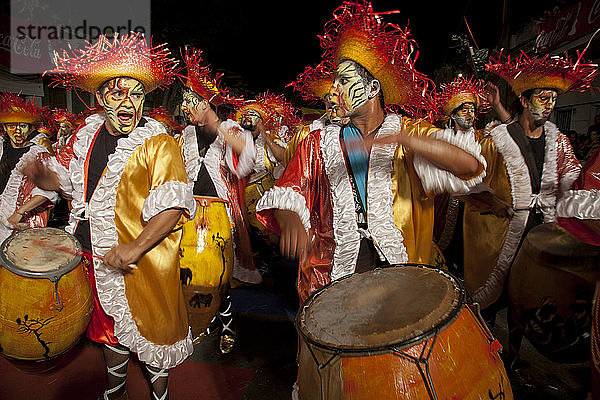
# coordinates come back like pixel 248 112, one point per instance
pixel 396 333
pixel 45 296
pixel 550 289
pixel 257 186
pixel 206 262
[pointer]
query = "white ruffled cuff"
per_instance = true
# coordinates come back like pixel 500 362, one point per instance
pixel 582 204
pixel 62 173
pixel 248 156
pixel 285 198
pixel 50 195
pixel 436 180
pixel 172 194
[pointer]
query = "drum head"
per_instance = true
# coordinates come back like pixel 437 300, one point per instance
pixel 391 307
pixel 20 255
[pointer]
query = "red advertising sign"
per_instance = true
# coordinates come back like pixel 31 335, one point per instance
pixel 576 21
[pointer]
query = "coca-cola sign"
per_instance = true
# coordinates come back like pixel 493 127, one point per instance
pixel 576 21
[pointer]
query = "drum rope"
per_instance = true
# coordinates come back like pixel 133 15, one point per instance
pixel 320 367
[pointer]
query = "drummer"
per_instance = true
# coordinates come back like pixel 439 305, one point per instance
pixel 530 165
pixel 345 206
pixel 22 205
pixel 129 191
pixel 218 155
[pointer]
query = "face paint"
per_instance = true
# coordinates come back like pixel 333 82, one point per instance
pixel 464 115
pixel 332 111
pixel 541 104
pixel 17 132
pixel 250 120
pixel 348 90
pixel 123 102
pixel 64 130
pixel 191 106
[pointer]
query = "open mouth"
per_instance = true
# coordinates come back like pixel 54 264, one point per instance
pixel 125 117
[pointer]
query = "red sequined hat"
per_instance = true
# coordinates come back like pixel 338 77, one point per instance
pixel 314 83
pixel 202 80
pixel 452 95
pixel 548 72
pixel 162 115
pixel 14 108
pixel 124 56
pixel 386 50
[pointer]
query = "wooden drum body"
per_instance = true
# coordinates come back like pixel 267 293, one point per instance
pixel 206 262
pixel 550 288
pixel 257 186
pixel 45 297
pixel 396 333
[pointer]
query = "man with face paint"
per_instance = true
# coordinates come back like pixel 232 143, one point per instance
pixel 361 195
pixel 218 156
pixel 268 118
pixel 457 104
pixel 22 205
pixel 129 191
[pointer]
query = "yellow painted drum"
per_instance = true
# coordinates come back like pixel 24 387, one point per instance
pixel 45 297
pixel 257 186
pixel 206 262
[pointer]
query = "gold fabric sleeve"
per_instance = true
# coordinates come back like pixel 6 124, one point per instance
pixel 293 144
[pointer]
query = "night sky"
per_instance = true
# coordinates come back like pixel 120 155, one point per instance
pixel 269 42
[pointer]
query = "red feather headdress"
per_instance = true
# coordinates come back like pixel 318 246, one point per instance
pixel 314 83
pixel 386 50
pixel 274 110
pixel 201 80
pixel 452 95
pixel 548 72
pixel 14 108
pixel 162 115
pixel 127 56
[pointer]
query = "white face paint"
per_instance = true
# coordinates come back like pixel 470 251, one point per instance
pixel 348 91
pixel 123 102
pixel 190 106
pixel 464 116
pixel 541 104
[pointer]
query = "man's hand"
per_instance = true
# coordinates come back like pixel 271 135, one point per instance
pixel 41 176
pixel 15 220
pixel 493 94
pixel 123 257
pixel 293 242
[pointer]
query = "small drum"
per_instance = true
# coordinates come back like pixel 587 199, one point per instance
pixel 258 185
pixel 396 333
pixel 45 296
pixel 206 262
pixel 550 289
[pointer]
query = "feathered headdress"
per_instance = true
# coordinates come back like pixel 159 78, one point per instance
pixel 201 80
pixel 274 110
pixel 386 50
pixel 452 95
pixel 14 108
pixel 162 115
pixel 314 83
pixel 548 72
pixel 127 56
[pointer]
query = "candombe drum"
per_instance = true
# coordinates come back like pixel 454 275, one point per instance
pixel 257 186
pixel 401 332
pixel 206 262
pixel 550 289
pixel 45 296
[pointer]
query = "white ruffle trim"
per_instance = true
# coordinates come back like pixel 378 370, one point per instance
pixel 172 194
pixel 285 198
pixel 546 199
pixel 247 158
pixel 436 180
pixel 582 204
pixel 345 228
pixel 191 154
pixel 318 124
pixel 382 225
pixel 62 173
pixel 110 283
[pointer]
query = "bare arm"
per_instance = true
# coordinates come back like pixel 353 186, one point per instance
pixel 293 241
pixel 234 140
pixel 277 150
pixel 41 176
pixel 493 97
pixel 159 227
pixel 29 205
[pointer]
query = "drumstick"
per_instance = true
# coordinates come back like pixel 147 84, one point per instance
pixel 41 243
